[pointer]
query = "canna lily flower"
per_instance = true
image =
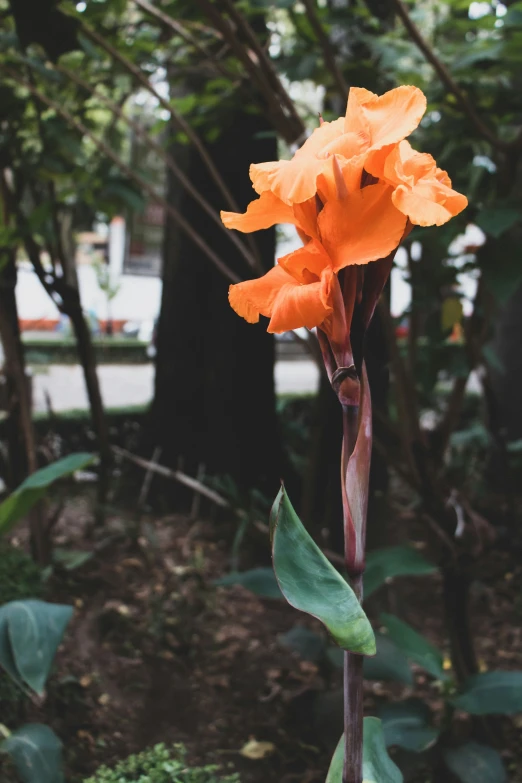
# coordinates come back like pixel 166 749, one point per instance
pixel 422 191
pixel 343 220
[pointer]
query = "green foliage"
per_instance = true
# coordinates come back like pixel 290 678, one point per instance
pixel 30 632
pixel 160 765
pixel 474 763
pixel 260 581
pixel 311 584
pixel 36 752
pixel 384 564
pixel 20 502
pixel 414 646
pixel 492 693
pixel 408 724
pixel 377 765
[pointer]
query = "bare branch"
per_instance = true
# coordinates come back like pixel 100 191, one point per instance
pixel 447 79
pixel 140 131
pixel 326 46
pixel 128 171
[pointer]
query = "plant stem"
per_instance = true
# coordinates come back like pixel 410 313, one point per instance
pixel 353 707
pixel 353 664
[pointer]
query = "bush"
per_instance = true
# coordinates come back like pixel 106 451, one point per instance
pixel 160 765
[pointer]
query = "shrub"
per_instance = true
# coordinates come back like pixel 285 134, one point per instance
pixel 160 765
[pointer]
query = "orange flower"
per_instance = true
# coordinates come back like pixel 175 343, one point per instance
pixel 422 191
pixel 341 220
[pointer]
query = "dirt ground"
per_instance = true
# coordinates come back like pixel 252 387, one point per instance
pixel 155 652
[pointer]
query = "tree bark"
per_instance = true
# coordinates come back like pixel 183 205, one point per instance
pixel 214 397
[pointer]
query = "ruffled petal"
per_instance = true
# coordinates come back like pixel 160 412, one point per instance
pixel 361 228
pixel 306 264
pixel 298 305
pixel 253 298
pixel 429 202
pixel 390 117
pixel 294 181
pixel 264 212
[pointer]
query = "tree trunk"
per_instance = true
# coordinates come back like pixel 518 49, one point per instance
pixel 214 397
pixel 21 437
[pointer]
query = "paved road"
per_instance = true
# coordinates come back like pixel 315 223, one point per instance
pixel 124 385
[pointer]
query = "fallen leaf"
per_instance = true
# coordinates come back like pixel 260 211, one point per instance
pixel 257 750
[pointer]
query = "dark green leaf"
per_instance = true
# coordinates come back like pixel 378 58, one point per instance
pixel 311 584
pixel 414 646
pixel 33 488
pixel 377 765
pixel 260 581
pixel 408 724
pixel 70 559
pixel 491 693
pixel 496 220
pixel 32 631
pixel 474 763
pixel 383 564
pixel 36 752
pixel 389 664
pixel 310 645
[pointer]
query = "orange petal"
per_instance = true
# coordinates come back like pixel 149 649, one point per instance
pixel 429 202
pixel 264 212
pixel 363 227
pixel 253 298
pixel 306 264
pixel 390 117
pixel 294 181
pixel 298 305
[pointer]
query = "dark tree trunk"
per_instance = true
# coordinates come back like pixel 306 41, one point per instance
pixel 21 436
pixel 214 394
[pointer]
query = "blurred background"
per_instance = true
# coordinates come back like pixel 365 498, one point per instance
pixel 125 127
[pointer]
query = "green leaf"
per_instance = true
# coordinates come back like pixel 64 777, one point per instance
pixel 491 693
pixel 496 220
pixel 383 564
pixel 310 645
pixel 389 664
pixel 407 724
pixel 36 752
pixel 20 502
pixel 71 559
pixel 474 763
pixel 260 581
pixel 377 765
pixel 311 584
pixel 414 646
pixel 31 632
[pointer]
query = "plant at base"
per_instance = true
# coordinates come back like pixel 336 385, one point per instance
pixel 160 765
pixel 354 190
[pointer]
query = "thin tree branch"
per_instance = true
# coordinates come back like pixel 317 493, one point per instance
pixel 140 131
pixel 178 119
pixel 447 79
pixel 143 184
pixel 326 46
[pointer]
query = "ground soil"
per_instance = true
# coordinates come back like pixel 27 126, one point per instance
pixel 157 653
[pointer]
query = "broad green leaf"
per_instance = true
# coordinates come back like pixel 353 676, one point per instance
pixel 36 752
pixel 474 763
pixel 383 564
pixel 31 633
pixel 496 220
pixel 20 502
pixel 260 581
pixel 491 693
pixel 377 765
pixel 414 646
pixel 408 724
pixel 70 559
pixel 311 584
pixel 310 645
pixel 389 664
